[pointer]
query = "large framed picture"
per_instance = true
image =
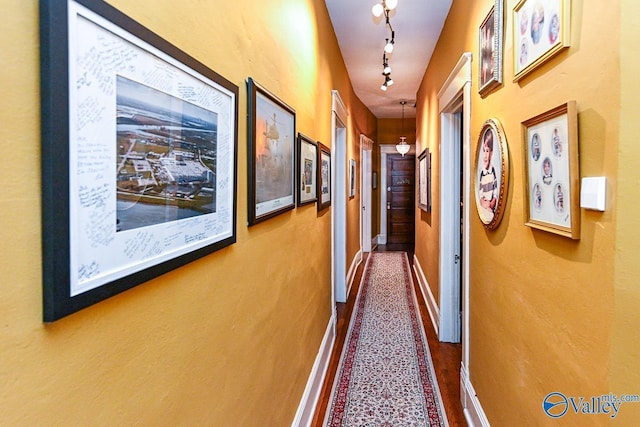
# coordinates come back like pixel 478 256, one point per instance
pixel 490 47
pixel 424 180
pixel 492 173
pixel 541 29
pixel 324 176
pixel 139 155
pixel 551 173
pixel 307 170
pixel 271 154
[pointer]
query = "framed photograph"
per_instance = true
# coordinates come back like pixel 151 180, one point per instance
pixel 352 178
pixel 551 174
pixel 424 180
pixel 490 48
pixel 541 29
pixel 492 173
pixel 374 180
pixel 271 154
pixel 139 155
pixel 307 170
pixel 324 176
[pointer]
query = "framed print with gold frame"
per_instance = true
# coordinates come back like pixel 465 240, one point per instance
pixel 552 186
pixel 541 29
pixel 492 173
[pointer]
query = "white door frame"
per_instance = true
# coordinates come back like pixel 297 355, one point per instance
pixel 366 147
pixel 385 150
pixel 339 117
pixel 454 96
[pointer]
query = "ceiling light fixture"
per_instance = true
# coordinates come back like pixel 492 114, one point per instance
pixel 384 7
pixel 402 148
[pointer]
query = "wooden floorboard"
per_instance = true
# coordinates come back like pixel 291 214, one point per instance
pixel 446 357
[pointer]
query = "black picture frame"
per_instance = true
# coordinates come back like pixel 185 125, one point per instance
pixel 271 154
pixel 307 170
pixel 91 248
pixel 424 180
pixel 324 176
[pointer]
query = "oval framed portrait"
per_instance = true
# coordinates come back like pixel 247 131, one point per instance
pixel 492 173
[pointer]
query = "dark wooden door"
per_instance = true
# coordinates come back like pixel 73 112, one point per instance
pixel 400 202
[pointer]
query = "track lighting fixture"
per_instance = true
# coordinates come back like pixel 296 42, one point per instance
pixel 384 7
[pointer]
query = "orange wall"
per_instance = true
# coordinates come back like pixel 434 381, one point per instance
pixel 229 339
pixel 542 307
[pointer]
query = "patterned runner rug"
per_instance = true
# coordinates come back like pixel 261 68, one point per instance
pixel 385 376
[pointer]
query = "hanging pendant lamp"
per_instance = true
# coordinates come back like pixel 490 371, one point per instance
pixel 402 147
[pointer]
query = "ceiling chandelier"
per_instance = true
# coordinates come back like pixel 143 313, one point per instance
pixel 402 147
pixel 384 7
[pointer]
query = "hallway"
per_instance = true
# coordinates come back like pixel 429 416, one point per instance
pixel 446 357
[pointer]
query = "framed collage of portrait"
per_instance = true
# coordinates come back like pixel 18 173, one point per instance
pixel 307 170
pixel 139 168
pixel 271 154
pixel 424 180
pixel 551 172
pixel 324 176
pixel 492 173
pixel 490 47
pixel 541 29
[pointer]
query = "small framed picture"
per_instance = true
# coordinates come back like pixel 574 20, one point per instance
pixel 551 174
pixel 352 178
pixel 492 173
pixel 490 50
pixel 271 154
pixel 374 180
pixel 541 29
pixel 424 180
pixel 307 171
pixel 324 176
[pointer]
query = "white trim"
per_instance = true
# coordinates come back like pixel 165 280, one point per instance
pixel 307 407
pixel 432 305
pixel 351 274
pixel 385 150
pixel 473 412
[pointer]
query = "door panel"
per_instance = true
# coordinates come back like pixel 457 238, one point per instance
pixel 400 199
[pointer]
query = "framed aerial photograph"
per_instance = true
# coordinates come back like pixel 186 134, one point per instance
pixel 552 186
pixel 271 154
pixel 324 176
pixel 490 38
pixel 139 155
pixel 424 180
pixel 492 173
pixel 541 29
pixel 352 178
pixel 307 170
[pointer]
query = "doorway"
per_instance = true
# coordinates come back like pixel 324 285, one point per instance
pixel 400 202
pixel 339 200
pixel 455 171
pixel 366 145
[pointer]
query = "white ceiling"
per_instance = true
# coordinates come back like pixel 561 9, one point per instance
pixel 361 36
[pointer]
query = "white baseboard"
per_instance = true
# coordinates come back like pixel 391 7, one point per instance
pixel 432 305
pixel 382 239
pixel 309 402
pixel 473 412
pixel 351 274
pixel 374 243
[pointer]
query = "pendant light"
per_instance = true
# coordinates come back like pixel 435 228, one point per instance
pixel 402 148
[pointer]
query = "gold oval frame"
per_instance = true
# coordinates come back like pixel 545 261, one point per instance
pixel 491 217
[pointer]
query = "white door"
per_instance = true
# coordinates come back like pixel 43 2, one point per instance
pixel 366 145
pixel 339 198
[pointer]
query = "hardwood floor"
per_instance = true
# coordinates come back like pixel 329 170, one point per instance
pixel 446 357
